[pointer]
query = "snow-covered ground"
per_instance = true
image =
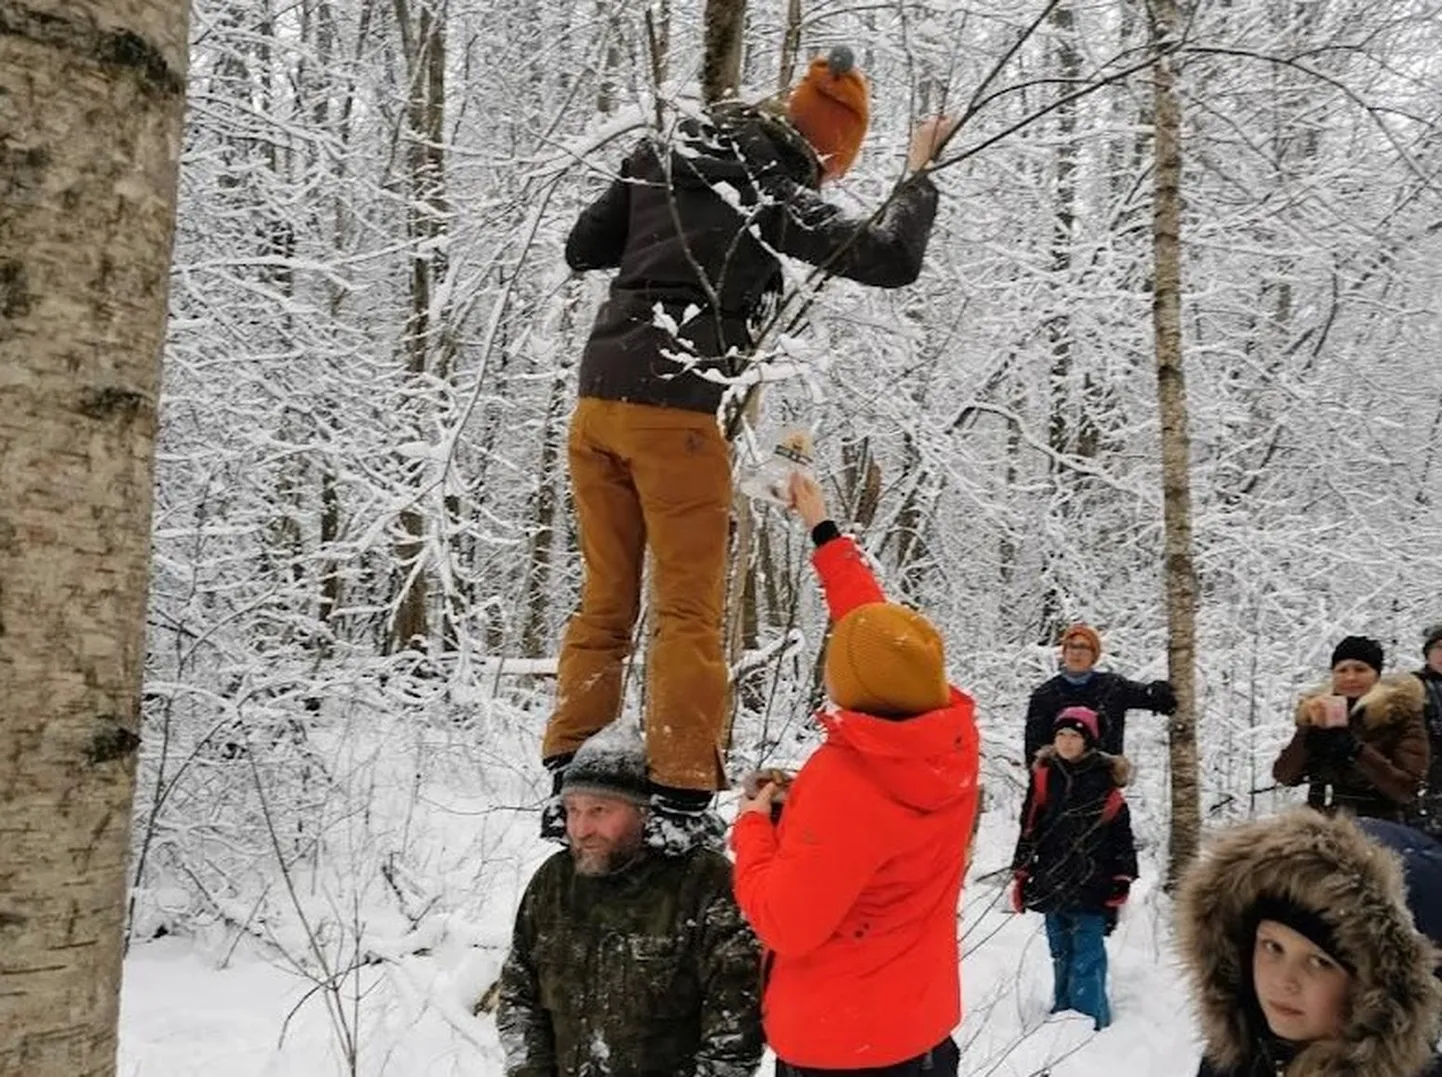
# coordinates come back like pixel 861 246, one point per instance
pixel 204 1008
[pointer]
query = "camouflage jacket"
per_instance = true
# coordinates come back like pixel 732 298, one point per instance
pixel 651 972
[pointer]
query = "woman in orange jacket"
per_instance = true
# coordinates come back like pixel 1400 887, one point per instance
pixel 853 891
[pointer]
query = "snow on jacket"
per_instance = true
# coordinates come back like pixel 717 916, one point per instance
pixel 1328 866
pixel 1383 780
pixel 696 227
pixel 854 892
pixel 1078 840
pixel 648 972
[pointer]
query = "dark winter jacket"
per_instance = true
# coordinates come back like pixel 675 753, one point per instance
pixel 1421 866
pixel 650 972
pixel 696 228
pixel 1329 867
pixel 1077 841
pixel 1428 814
pixel 1109 694
pixel 1382 777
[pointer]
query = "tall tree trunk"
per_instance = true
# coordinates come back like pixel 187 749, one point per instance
pixel 92 96
pixel 790 45
pixel 1181 589
pixel 721 63
pixel 725 21
pixel 424 43
pixel 1062 436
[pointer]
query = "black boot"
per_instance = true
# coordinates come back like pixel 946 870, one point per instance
pixel 553 812
pixel 681 820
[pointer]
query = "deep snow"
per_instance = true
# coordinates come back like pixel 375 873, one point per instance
pixel 195 1007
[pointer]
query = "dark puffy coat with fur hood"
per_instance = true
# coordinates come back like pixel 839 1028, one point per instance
pixel 1328 866
pixel 1072 849
pixel 1383 780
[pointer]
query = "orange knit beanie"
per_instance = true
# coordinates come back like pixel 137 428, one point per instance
pixel 830 109
pixel 1084 633
pixel 886 659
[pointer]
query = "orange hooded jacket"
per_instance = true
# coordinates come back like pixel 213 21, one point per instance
pixel 854 892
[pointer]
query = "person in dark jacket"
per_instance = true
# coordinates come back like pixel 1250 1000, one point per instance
pixel 1428 814
pixel 853 890
pixel 1302 957
pixel 1075 858
pixel 1080 684
pixel 1421 856
pixel 1372 762
pixel 626 963
pixel 695 229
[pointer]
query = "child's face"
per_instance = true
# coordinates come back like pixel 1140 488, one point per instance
pixel 1301 988
pixel 1069 744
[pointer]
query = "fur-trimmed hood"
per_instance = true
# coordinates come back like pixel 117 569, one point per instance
pixel 1120 766
pixel 1329 866
pixel 1395 699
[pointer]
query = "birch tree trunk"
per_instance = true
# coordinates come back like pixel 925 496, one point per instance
pixel 92 95
pixel 1179 573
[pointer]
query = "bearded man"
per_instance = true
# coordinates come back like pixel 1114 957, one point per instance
pixel 626 962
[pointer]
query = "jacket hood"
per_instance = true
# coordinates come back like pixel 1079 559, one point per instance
pixel 1395 699
pixel 1120 766
pixel 921 762
pixel 1328 866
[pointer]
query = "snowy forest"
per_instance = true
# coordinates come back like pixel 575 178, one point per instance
pixel 364 551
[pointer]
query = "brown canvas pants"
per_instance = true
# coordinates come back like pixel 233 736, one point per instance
pixel 645 476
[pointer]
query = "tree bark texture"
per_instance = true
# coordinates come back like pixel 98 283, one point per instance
pixel 423 40
pixel 725 22
pixel 92 97
pixel 1179 571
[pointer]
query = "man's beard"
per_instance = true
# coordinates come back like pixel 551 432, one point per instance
pixel 609 857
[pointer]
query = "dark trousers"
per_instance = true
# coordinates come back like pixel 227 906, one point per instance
pixel 941 1061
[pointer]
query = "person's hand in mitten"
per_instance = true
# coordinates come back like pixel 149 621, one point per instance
pixel 1117 896
pixel 1018 884
pixel 1340 747
pixel 1163 696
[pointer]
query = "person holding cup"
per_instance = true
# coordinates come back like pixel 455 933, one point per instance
pixel 1360 743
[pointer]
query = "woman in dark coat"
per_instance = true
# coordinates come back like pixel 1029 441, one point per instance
pixel 1374 764
pixel 1302 955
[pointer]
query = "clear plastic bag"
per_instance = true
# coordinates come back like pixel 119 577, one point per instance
pixel 768 481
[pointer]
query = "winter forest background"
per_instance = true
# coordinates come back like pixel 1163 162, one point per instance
pixel 364 551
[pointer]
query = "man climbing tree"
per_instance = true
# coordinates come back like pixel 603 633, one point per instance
pixel 694 228
pixel 92 96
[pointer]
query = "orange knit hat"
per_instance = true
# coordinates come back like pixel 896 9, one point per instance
pixel 1087 634
pixel 830 109
pixel 886 659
